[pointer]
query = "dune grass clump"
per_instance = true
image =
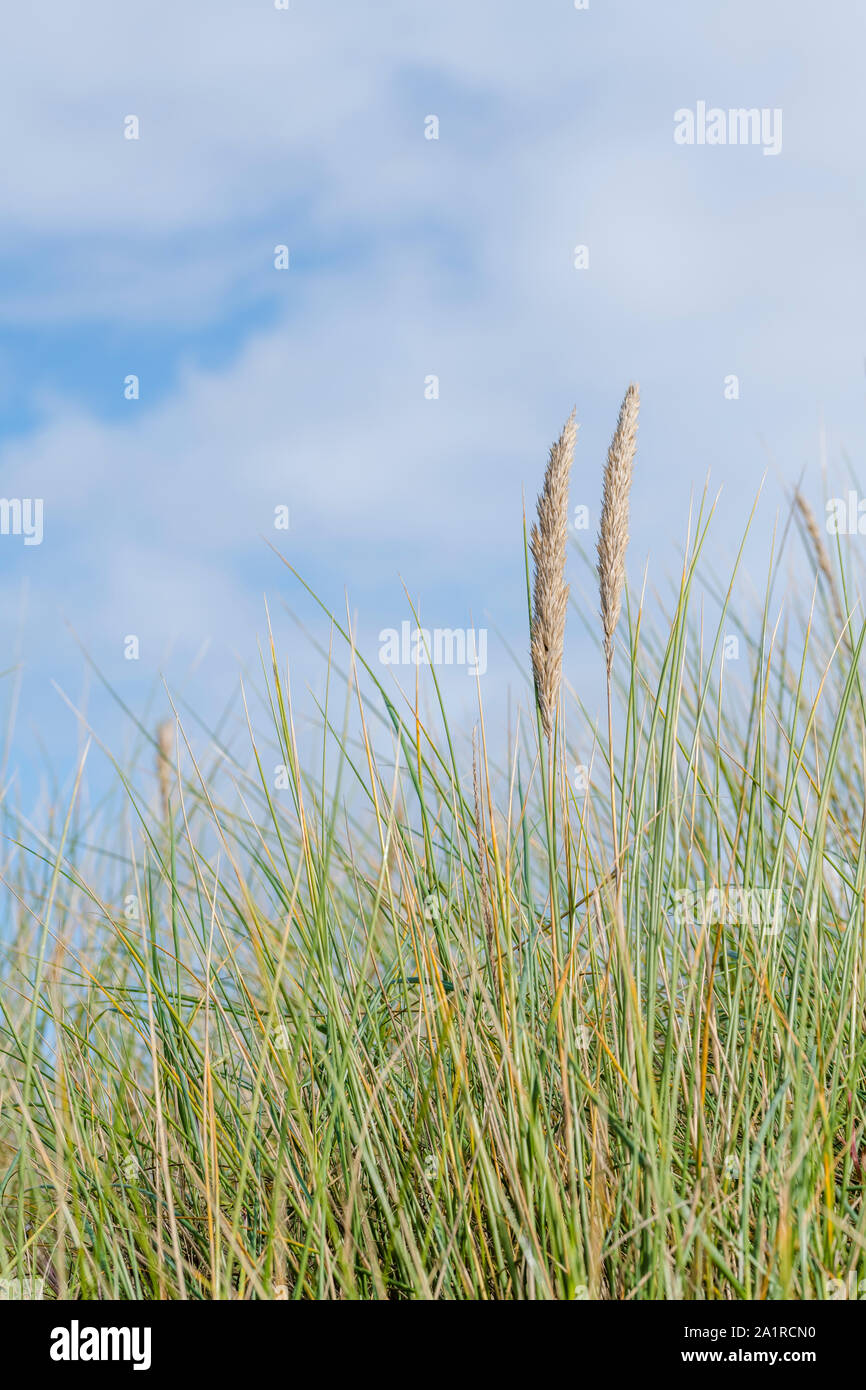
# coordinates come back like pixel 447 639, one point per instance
pixel 427 1015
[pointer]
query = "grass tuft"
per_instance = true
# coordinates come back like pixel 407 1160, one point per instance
pixel 425 1018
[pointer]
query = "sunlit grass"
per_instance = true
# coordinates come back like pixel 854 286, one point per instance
pixel 376 1026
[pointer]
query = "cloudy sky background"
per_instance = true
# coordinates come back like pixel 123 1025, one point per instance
pixel 408 257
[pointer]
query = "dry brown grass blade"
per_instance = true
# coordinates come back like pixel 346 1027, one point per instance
pixel 164 764
pixel 481 848
pixel 821 555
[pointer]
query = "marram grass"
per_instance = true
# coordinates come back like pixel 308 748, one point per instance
pixel 408 1025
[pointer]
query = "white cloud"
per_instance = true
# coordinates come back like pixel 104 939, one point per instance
pixel 409 257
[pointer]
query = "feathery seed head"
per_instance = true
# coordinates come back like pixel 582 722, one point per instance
pixel 548 543
pixel 613 531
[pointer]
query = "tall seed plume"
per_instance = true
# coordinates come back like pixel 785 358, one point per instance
pixel 613 532
pixel 548 543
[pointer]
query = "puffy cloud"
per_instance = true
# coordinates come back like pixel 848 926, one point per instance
pixel 409 258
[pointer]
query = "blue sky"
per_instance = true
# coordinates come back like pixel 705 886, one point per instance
pixel 409 257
